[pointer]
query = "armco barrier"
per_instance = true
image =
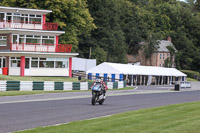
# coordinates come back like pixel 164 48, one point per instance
pixel 76 86
pixel 51 86
pixel 67 85
pixel 13 85
pixel 58 85
pixel 38 85
pixel 3 85
pixel 48 86
pixel 115 85
pixel 26 86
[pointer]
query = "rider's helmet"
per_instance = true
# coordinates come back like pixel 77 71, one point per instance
pixel 97 80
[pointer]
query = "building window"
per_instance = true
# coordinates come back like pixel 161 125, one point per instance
pixel 22 18
pixel 33 39
pixel 49 62
pixel 163 55
pixel 34 62
pixel 61 64
pixel 2 62
pixel 167 54
pixel 15 61
pixel 3 40
pixel 160 56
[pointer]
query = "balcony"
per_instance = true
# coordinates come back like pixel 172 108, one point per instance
pixel 37 47
pixel 15 24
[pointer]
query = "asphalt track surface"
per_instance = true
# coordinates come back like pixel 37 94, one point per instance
pixel 15 116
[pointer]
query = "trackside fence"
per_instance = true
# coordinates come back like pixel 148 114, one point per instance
pixel 51 86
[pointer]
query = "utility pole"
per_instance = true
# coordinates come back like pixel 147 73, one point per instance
pixel 90 52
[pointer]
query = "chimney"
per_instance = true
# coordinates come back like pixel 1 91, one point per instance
pixel 169 39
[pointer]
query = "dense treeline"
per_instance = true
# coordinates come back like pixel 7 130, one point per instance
pixel 112 28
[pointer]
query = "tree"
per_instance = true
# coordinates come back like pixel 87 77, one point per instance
pixel 109 35
pixel 151 45
pixel 170 61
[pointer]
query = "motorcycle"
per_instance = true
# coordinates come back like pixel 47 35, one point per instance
pixel 98 94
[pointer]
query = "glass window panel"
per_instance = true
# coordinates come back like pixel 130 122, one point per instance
pixel 8 18
pixel 52 37
pixel 30 40
pixel 21 40
pixel 61 64
pixel 15 63
pixel 37 36
pixel 12 57
pixel 38 16
pixel 35 20
pixel 46 64
pixel 16 19
pixel 4 62
pixel 4 37
pixel 2 42
pixel 29 36
pixel 34 58
pixel 9 14
pixel 18 58
pixel 42 58
pixel 47 41
pixel 1 16
pixel 31 15
pixel 21 35
pixel 0 63
pixel 44 36
pixel 14 38
pixel 34 63
pixel 24 14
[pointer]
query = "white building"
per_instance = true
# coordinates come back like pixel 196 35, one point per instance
pixel 29 46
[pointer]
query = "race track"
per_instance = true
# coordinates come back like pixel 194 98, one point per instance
pixel 26 115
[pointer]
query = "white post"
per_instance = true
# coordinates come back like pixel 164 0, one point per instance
pixel 136 81
pixel 131 80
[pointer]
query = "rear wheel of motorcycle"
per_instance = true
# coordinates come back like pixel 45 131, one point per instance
pixel 93 99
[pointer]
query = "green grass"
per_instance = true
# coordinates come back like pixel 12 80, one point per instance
pixel 17 93
pixel 27 78
pixel 179 118
pixel 191 79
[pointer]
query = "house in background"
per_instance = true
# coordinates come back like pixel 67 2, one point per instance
pixel 158 58
pixel 29 46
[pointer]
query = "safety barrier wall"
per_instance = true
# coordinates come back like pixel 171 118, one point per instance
pixel 51 86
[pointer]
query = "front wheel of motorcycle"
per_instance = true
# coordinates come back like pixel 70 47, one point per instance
pixel 102 101
pixel 93 99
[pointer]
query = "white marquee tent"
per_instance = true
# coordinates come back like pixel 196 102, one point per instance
pixel 126 69
pixel 115 68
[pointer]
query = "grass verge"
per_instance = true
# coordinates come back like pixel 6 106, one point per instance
pixel 191 79
pixel 17 93
pixel 179 118
pixel 28 78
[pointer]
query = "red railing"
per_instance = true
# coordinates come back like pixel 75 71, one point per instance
pixel 64 48
pixel 28 25
pixel 37 47
pixel 50 26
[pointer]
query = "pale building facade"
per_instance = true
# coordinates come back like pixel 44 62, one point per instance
pixel 29 46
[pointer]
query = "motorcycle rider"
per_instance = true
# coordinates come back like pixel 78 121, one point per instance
pixel 102 85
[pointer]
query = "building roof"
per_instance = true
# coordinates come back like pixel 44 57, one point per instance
pixel 23 10
pixel 163 46
pixel 116 68
pixel 38 54
pixel 27 31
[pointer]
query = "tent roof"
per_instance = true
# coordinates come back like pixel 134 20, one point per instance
pixel 116 68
